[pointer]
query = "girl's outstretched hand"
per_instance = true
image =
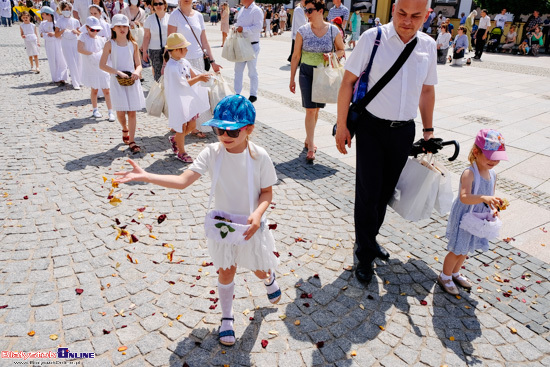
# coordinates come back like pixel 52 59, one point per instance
pixel 254 222
pixel 492 201
pixel 137 174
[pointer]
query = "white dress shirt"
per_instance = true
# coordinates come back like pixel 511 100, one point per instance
pixel 298 20
pixel 252 20
pixel 484 22
pixel 398 100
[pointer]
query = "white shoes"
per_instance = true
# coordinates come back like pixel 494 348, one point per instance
pixel 112 117
pixel 97 114
pixel 77 88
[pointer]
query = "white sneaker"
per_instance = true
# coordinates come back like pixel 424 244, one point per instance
pixel 97 114
pixel 77 88
pixel 112 117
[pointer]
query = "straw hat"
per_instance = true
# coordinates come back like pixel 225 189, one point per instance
pixel 175 41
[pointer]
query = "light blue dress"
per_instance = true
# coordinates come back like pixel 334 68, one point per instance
pixel 460 241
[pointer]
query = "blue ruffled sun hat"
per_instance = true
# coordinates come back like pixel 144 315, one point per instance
pixel 232 113
pixel 46 10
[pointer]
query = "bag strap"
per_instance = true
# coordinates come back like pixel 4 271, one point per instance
pixel 250 173
pixel 160 31
pixel 191 27
pixel 475 184
pixel 389 74
pixel 366 72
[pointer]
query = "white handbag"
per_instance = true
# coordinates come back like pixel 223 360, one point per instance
pixel 416 191
pixel 326 81
pixel 218 91
pixel 482 225
pixel 155 103
pixel 223 227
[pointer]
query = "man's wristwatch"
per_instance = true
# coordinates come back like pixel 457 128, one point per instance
pixel 212 61
pixel 430 129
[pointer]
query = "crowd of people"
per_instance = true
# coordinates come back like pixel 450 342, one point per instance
pixel 104 47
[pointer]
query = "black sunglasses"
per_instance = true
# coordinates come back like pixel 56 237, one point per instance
pixel 230 133
pixel 158 4
pixel 309 10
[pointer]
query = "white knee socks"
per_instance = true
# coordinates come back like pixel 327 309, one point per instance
pixel 225 292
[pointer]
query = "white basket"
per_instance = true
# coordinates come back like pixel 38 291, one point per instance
pixel 225 232
pixel 482 225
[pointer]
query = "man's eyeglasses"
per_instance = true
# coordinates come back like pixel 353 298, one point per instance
pixel 158 4
pixel 230 133
pixel 309 10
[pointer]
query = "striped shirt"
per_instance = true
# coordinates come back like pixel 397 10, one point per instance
pixel 340 11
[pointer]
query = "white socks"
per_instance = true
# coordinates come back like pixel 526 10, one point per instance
pixel 446 277
pixel 225 292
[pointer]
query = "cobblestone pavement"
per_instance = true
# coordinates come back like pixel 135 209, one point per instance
pixel 57 237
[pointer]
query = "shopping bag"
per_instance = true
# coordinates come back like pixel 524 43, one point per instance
pixel 416 191
pixel 228 51
pixel 155 103
pixel 218 91
pixel 138 33
pixel 444 199
pixel 243 49
pixel 326 81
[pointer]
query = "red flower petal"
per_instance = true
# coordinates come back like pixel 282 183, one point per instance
pixel 161 218
pixel 123 326
pixel 105 332
pixel 212 292
pixel 117 222
pixel 423 302
pixel 4 306
pixel 171 282
pixel 141 210
pixel 290 254
pixel 276 253
pixel 135 221
pixel 272 226
pixel 303 295
pixel 79 290
pixel 251 318
pixel 198 277
pixel 26 197
pixel 320 344
pixel 149 227
pixel 316 276
pixel 264 343
pixel 151 191
pixel 306 304
pixel 309 295
pixel 213 307
pixel 129 195
pixel 134 238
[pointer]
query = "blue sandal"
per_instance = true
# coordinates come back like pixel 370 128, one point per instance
pixel 221 334
pixel 274 297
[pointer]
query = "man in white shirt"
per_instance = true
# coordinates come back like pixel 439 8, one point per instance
pixel 249 23
pixel 500 19
pixel 481 34
pixel 298 20
pixel 386 132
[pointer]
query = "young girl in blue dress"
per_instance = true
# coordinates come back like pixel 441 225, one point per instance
pixel 241 186
pixel 486 153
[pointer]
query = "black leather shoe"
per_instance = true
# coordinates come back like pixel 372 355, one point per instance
pixel 364 273
pixel 382 253
pixel 252 99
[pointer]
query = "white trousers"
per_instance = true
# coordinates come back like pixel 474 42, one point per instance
pixel 72 57
pixel 56 60
pixel 267 26
pixel 252 73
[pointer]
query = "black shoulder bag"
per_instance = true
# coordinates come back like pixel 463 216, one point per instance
pixel 357 110
pixel 204 54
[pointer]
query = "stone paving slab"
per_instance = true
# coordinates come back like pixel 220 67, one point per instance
pixel 56 235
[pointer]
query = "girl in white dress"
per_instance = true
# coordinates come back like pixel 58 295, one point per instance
pixel 184 97
pixel 96 11
pixel 91 46
pixel 56 60
pixel 125 64
pixel 242 178
pixel 29 33
pixel 66 28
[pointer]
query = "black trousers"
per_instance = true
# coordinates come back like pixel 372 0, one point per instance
pixel 382 152
pixel 480 42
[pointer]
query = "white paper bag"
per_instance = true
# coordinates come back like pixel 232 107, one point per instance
pixel 416 191
pixel 243 49
pixel 326 82
pixel 155 103
pixel 228 51
pixel 444 199
pixel 218 91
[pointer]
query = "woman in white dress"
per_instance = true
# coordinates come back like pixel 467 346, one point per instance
pixel 29 33
pixel 56 60
pixel 67 28
pixel 90 44
pixel 126 63
pixel 190 23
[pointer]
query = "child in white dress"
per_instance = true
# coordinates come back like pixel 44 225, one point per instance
pixel 91 46
pixel 126 63
pixel 66 28
pixel 56 60
pixel 242 179
pixel 96 11
pixel 29 33
pixel 184 97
